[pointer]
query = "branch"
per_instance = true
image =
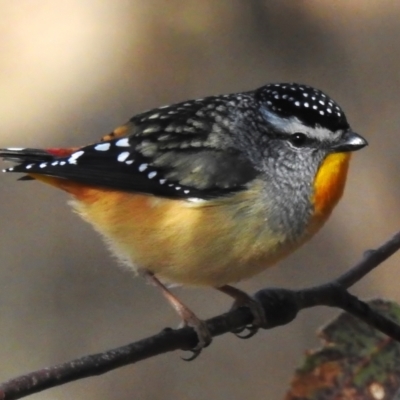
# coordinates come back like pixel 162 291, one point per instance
pixel 372 258
pixel 280 306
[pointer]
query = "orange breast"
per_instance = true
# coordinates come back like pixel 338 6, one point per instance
pixel 329 184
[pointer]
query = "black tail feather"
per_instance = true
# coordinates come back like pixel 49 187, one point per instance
pixel 25 155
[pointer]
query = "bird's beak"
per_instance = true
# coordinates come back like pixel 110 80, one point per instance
pixel 349 141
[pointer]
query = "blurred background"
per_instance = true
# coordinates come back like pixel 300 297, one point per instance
pixel 72 70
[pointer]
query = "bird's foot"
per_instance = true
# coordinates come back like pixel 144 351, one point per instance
pixel 200 327
pixel 242 299
pixel 189 318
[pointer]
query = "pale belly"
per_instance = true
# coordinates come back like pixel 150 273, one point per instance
pixel 186 243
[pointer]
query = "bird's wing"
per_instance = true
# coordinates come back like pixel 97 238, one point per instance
pixel 180 151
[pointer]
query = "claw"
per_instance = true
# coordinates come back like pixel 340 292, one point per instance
pixel 242 299
pixel 252 330
pixel 188 317
pixel 237 331
pixel 195 354
pixel 203 334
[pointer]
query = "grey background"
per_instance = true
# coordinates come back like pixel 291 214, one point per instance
pixel 72 70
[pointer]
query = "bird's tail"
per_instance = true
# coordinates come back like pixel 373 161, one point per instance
pixel 26 156
pixel 21 155
pixel 38 161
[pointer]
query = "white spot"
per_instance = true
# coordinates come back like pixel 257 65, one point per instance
pixel 129 162
pixel 321 102
pixel 276 97
pixel 29 166
pixel 4 170
pixel 122 142
pixel 160 108
pixel 75 156
pixel 269 103
pixel 42 165
pixel 154 116
pixel 314 107
pixel 297 104
pixel 9 169
pixel 338 114
pixel 63 162
pixel 306 105
pixel 123 156
pixel 162 181
pixel 178 188
pixel 186 191
pixel 196 200
pixel 102 147
pixel 143 167
pixel 152 174
pixel 323 95
pixel 15 148
pixel 151 129
pixel 170 184
pixel 321 112
pixel 305 94
pixel 329 110
pixel 54 163
pixel 313 98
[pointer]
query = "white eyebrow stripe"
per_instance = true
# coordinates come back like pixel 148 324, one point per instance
pixel 293 125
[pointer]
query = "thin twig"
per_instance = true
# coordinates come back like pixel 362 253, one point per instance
pixel 371 259
pixel 280 305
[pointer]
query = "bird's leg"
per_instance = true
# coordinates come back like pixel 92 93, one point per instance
pixel 242 299
pixel 189 318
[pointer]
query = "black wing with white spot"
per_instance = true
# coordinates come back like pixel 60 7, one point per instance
pixel 175 151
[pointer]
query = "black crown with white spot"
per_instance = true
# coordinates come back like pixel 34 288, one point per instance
pixel 311 106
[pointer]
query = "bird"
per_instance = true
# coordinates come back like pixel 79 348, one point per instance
pixel 207 192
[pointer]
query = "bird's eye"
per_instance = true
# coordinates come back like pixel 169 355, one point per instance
pixel 298 139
